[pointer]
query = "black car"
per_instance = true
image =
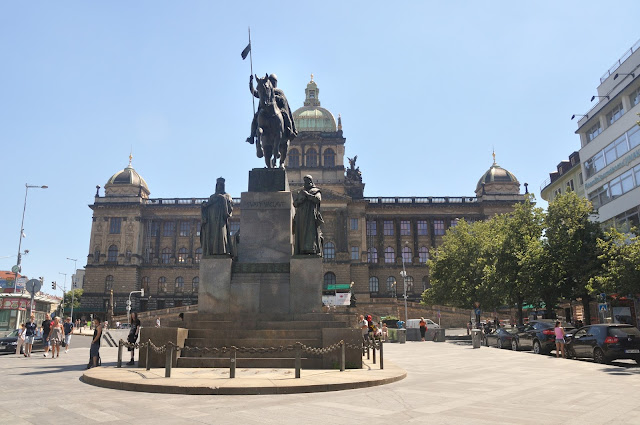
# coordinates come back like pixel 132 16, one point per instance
pixel 9 343
pixel 500 338
pixel 606 342
pixel 537 335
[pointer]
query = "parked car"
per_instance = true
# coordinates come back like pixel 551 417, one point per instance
pixel 500 338
pixel 415 323
pixel 606 342
pixel 9 343
pixel 537 335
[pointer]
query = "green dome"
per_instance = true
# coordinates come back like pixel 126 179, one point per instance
pixel 496 174
pixel 313 117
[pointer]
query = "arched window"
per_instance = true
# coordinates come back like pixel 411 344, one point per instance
pixel 329 251
pixel 198 255
pixel 195 284
pixel 179 284
pixel 145 286
pixel 166 255
pixel 374 284
pixel 162 285
pixel 329 158
pixel 182 255
pixel 329 279
pixel 425 283
pixel 406 254
pixel 389 255
pixel 392 286
pixel 409 280
pixel 373 255
pixel 311 157
pixel 293 157
pixel 108 283
pixel 112 256
pixel 423 253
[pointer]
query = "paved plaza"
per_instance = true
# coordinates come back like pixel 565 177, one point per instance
pixel 446 383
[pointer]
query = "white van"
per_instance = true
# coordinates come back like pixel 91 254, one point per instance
pixel 415 324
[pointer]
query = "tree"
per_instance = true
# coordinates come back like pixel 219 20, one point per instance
pixel 76 295
pixel 621 264
pixel 572 248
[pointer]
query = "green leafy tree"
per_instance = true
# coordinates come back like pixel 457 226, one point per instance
pixel 621 264
pixel 76 296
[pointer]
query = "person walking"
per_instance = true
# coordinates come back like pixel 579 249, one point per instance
pixel 31 329
pixel 68 331
pixel 22 333
pixel 559 331
pixel 133 335
pixel 423 328
pixel 157 322
pixel 94 351
pixel 56 336
pixel 46 328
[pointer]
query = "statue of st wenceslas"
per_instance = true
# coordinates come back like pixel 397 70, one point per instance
pixel 214 232
pixel 307 221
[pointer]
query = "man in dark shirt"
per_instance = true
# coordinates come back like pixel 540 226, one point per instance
pixel 46 328
pixel 31 328
pixel 68 330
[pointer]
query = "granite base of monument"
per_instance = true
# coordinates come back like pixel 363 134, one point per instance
pixel 306 284
pixel 214 292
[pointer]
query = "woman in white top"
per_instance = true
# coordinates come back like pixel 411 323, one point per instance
pixel 21 336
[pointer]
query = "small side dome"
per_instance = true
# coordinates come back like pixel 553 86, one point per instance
pixel 127 183
pixel 312 117
pixel 497 180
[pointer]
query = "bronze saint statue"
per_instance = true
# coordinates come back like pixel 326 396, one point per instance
pixel 214 232
pixel 306 224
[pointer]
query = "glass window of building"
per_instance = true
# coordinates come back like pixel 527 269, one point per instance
pixel 293 157
pixel 353 224
pixel 371 228
pixel 594 131
pixel 148 255
pixel 423 228
pixel 112 256
pixel 570 185
pixel 329 158
pixel 329 251
pixel 454 222
pixel 423 254
pixel 388 227
pixel 96 255
pixel 406 254
pixel 634 136
pixel 234 227
pixel 198 228
pixel 391 285
pixel 155 228
pixel 162 285
pixel 108 283
pixel 198 255
pixel 169 228
pixel 114 225
pixel 615 114
pixel 166 255
pixel 311 158
pixel 635 97
pixel 373 255
pixel 184 228
pixel 195 284
pixel 182 255
pixel 355 253
pixel 179 284
pixel 405 227
pixel 438 227
pixel 409 281
pixel 389 255
pixel 374 284
pixel 329 279
pixel 145 285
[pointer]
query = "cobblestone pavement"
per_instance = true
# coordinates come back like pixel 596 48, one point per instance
pixel 447 383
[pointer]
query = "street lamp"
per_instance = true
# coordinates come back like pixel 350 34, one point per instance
pixel 141 292
pixel 64 291
pixel 17 268
pixel 403 273
pixel 74 280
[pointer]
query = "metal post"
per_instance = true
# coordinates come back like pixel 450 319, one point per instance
pixel 168 360
pixel 381 355
pixel 374 351
pixel 148 359
pixel 298 364
pixel 119 354
pixel 73 283
pixel 232 360
pixel 368 347
pixel 341 356
pixel 24 208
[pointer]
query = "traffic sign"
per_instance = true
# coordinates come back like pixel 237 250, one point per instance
pixel 15 269
pixel 34 286
pixel 602 307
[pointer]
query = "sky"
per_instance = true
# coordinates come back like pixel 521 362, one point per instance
pixel 426 91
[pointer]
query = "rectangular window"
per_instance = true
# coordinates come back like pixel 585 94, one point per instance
pixel 388 227
pixel 155 228
pixel 635 97
pixel 234 227
pixel 184 228
pixel 114 225
pixel 198 228
pixel 169 228
pixel 570 185
pixel 454 222
pixel 580 180
pixel 634 136
pixel 593 132
pixel 353 224
pixel 372 228
pixel 423 228
pixel 355 253
pixel 615 114
pixel 438 227
pixel 405 227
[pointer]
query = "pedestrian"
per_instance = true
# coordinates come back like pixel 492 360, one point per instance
pixel 31 329
pixel 364 327
pixel 133 334
pixel 423 328
pixel 559 331
pixel 56 336
pixel 469 327
pixel 68 331
pixel 94 351
pixel 385 331
pixel 46 328
pixel 117 324
pixel 22 334
pixel 157 322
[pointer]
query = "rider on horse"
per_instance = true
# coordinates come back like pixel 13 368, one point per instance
pixel 290 131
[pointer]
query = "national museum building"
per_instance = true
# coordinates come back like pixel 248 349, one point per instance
pixel 153 243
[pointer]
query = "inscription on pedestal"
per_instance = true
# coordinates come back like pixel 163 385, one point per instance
pixel 261 267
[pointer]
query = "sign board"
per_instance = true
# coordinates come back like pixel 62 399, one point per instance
pixel 477 311
pixel 34 286
pixel 602 307
pixel 341 298
pixel 22 281
pixel 14 304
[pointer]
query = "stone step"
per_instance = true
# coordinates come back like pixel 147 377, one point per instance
pixel 266 363
pixel 249 342
pixel 300 325
pixel 258 333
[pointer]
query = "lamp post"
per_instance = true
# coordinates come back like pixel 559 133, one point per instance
pixel 64 291
pixel 74 278
pixel 141 292
pixel 403 273
pixel 24 209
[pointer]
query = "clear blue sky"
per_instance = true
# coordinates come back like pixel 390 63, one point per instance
pixel 426 89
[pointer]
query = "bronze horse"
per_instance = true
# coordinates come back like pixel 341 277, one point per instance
pixel 270 132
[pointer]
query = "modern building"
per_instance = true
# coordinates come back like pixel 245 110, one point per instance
pixel 567 177
pixel 151 243
pixel 610 140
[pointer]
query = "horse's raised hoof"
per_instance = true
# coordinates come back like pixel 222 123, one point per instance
pixel 250 140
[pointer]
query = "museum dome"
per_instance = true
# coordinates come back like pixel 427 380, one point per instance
pixel 127 182
pixel 497 180
pixel 313 117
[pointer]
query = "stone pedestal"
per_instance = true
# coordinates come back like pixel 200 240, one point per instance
pixel 306 284
pixel 215 284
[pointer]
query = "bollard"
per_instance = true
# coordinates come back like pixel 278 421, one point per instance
pixel 381 355
pixel 298 364
pixel 368 347
pixel 168 360
pixel 232 360
pixel 148 359
pixel 341 356
pixel 119 354
pixel 374 351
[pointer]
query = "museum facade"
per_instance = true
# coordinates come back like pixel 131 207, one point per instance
pixel 138 242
